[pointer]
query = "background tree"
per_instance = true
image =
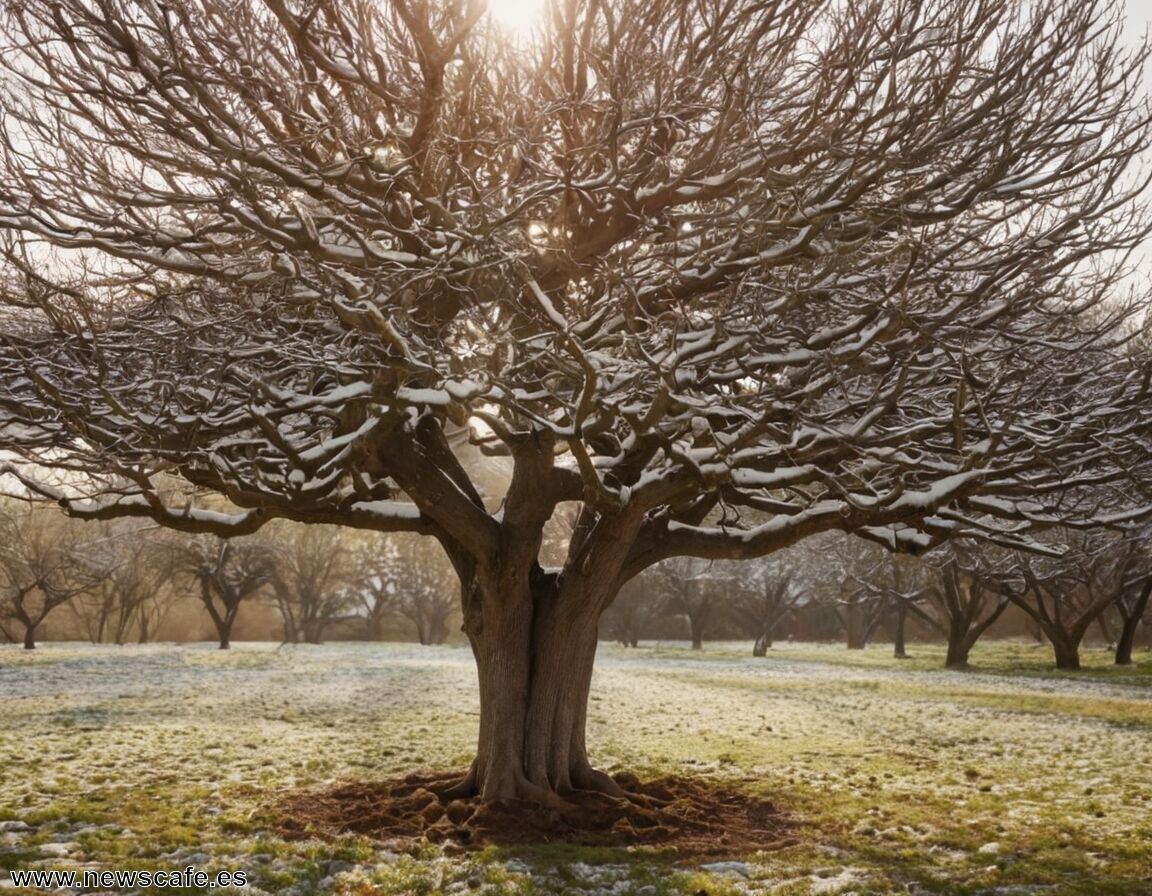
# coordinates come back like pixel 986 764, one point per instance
pixel 630 616
pixel 309 578
pixel 1124 567
pixel 854 267
pixel 226 572
pixel 855 582
pixel 44 564
pixel 695 590
pixel 134 592
pixel 411 578
pixel 765 595
pixel 1064 595
pixel 968 594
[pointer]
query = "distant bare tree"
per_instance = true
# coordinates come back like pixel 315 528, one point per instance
pixel 852 581
pixel 310 579
pixel 632 613
pixel 134 593
pixel 226 572
pixel 968 593
pixel 410 578
pixel 695 589
pixel 1125 568
pixel 44 564
pixel 855 267
pixel 1065 595
pixel 762 599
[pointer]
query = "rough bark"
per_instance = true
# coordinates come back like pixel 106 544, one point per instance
pixel 958 650
pixel 1066 647
pixel 1131 617
pixel 899 650
pixel 534 655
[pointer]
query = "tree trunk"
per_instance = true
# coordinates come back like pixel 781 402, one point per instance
pixel 30 636
pixel 696 623
pixel 763 642
pixel 855 626
pixel 1105 629
pixel 1131 621
pixel 1067 650
pixel 1126 641
pixel 959 646
pixel 899 650
pixel 961 640
pixel 224 628
pixel 534 655
pixel 957 657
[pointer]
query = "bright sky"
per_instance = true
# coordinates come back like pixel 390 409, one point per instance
pixel 518 16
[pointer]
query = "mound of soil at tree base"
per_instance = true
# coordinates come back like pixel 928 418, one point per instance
pixel 695 816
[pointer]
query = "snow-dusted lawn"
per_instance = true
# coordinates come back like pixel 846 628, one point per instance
pixel 912 779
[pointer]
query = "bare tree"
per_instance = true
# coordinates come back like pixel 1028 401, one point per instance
pixel 852 580
pixel 969 592
pixel 44 564
pixel 1133 603
pixel 133 593
pixel 1065 595
pixel 1124 568
pixel 226 572
pixel 762 601
pixel 411 578
pixel 856 267
pixel 629 617
pixel 694 589
pixel 310 579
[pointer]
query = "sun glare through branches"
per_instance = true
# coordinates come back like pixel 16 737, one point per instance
pixel 518 18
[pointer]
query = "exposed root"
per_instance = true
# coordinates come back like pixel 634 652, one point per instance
pixel 693 816
pixel 464 788
pixel 595 781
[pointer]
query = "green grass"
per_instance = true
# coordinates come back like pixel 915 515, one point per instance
pixel 905 777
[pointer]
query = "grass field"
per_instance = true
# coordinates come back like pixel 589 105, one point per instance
pixel 905 778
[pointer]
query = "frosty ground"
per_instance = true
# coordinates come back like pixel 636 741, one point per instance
pixel 905 778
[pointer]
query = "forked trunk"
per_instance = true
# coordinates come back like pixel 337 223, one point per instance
pixel 534 657
pixel 961 640
pixel 1066 649
pixel 958 650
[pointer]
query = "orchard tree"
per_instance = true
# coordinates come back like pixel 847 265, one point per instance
pixel 632 613
pixel 406 576
pixel 969 590
pixel 1133 594
pixel 134 592
pixel 696 590
pixel 762 598
pixel 309 578
pixel 721 275
pixel 1064 595
pixel 225 574
pixel 44 563
pixel 856 582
